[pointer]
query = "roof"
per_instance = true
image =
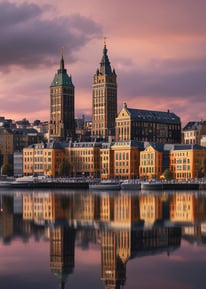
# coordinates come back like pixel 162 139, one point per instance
pixel 194 125
pixel 130 143
pixel 61 78
pixel 49 145
pixel 54 145
pixel 177 147
pixel 153 116
pixel 25 131
pixel 105 67
pixel 156 146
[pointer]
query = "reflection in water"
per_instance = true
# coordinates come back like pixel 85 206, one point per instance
pixel 62 240
pixel 125 225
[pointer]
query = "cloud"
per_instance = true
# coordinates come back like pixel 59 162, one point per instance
pixel 29 40
pixel 170 77
pixel 175 84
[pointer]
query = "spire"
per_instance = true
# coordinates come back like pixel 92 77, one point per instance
pixel 62 77
pixel 62 59
pixel 105 67
pixel 62 64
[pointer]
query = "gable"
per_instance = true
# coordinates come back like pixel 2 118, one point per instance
pixel 123 114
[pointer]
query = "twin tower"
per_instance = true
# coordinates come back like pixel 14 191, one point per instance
pixel 104 103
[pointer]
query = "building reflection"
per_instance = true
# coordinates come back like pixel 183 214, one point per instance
pixel 6 218
pixel 62 240
pixel 124 225
pixel 114 257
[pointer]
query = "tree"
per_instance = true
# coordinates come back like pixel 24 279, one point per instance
pixel 7 170
pixel 65 169
pixel 167 174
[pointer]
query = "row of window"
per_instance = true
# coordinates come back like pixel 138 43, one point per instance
pixel 122 156
pixel 147 163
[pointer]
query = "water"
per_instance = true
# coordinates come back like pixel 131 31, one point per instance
pixel 81 239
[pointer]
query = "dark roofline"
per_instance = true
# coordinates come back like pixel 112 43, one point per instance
pixel 154 116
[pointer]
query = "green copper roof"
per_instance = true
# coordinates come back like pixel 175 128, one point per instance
pixel 61 77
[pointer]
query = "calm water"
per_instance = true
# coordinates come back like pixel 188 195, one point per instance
pixel 82 239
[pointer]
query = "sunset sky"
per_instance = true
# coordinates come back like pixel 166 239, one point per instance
pixel 157 47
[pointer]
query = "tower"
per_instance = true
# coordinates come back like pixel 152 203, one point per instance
pixel 104 99
pixel 62 123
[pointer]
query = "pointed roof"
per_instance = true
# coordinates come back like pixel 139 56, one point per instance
pixel 105 67
pixel 61 78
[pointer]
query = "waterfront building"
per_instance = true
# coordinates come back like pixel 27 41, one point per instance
pixel 147 125
pixel 83 158
pixel 106 161
pixel 193 132
pixel 62 123
pixel 187 161
pixel 126 159
pixel 104 100
pixel 154 160
pixel 43 159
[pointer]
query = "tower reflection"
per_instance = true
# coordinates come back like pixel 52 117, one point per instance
pixel 124 226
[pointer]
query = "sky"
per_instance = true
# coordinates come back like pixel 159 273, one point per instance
pixel 157 48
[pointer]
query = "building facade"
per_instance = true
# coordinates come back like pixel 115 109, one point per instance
pixel 62 123
pixel 104 100
pixel 193 132
pixel 154 160
pixel 126 159
pixel 43 159
pixel 6 147
pixel 107 161
pixel 187 161
pixel 83 158
pixel 147 125
pixel 18 164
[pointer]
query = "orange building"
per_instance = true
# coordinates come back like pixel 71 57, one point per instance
pixel 187 161
pixel 126 159
pixel 84 158
pixel 107 161
pixel 42 159
pixel 153 161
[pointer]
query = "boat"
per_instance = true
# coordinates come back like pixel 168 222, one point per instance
pixel 131 185
pixel 105 185
pixel 5 184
